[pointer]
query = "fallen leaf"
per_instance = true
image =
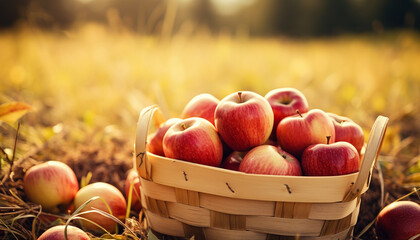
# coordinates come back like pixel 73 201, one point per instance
pixel 11 112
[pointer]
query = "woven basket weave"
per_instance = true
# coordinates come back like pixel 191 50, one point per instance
pixel 184 199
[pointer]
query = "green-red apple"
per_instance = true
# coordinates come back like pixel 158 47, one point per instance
pixel 271 160
pixel 285 102
pixel 51 184
pixel 194 140
pixel 244 120
pixel 57 233
pixel 296 133
pixel 202 105
pixel 155 140
pixel 133 179
pixel 113 197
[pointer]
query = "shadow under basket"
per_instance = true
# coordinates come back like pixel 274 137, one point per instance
pixel 184 199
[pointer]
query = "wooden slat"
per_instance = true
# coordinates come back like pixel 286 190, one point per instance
pixel 195 216
pixel 302 210
pixel 192 231
pixel 157 207
pixel 225 234
pixel 292 210
pixel 237 222
pixel 157 191
pixel 219 220
pixel 187 197
pixel 284 226
pixel 166 226
pixel 336 226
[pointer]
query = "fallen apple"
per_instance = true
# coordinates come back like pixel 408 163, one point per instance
pixel 57 233
pixel 51 184
pixel 348 131
pixel 202 105
pixel 108 193
pixel 244 120
pixel 194 140
pixel 285 102
pixel 399 221
pixel 133 179
pixel 330 159
pixel 296 133
pixel 155 139
pixel 271 160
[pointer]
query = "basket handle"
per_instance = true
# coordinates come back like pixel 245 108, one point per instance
pixel 142 163
pixel 373 147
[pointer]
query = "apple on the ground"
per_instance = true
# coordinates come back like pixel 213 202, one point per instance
pixel 330 159
pixel 285 102
pixel 108 193
pixel 57 233
pixel 133 179
pixel 348 131
pixel 244 120
pixel 296 133
pixel 52 184
pixel 202 105
pixel 271 160
pixel 194 140
pixel 233 160
pixel 399 221
pixel 155 139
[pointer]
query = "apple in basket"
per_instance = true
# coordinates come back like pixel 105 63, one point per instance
pixel 330 159
pixel 133 179
pixel 272 160
pixel 295 133
pixel 155 140
pixel 51 184
pixel 233 160
pixel 244 120
pixel 202 105
pixel 107 193
pixel 57 233
pixel 348 131
pixel 399 221
pixel 194 140
pixel 285 102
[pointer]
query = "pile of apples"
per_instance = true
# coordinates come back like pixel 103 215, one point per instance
pixel 54 186
pixel 277 134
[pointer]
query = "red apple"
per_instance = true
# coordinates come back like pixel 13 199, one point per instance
pixel 295 133
pixel 155 139
pixel 194 140
pixel 51 184
pixel 330 159
pixel 133 178
pixel 285 102
pixel 233 160
pixel 244 120
pixel 57 233
pixel 348 131
pixel 268 159
pixel 399 221
pixel 113 197
pixel 202 105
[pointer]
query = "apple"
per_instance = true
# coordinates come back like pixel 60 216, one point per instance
pixel 133 178
pixel 271 160
pixel 285 102
pixel 194 140
pixel 330 159
pixel 244 120
pixel 233 160
pixel 57 233
pixel 155 139
pixel 348 131
pixel 51 184
pixel 295 133
pixel 202 105
pixel 399 221
pixel 113 197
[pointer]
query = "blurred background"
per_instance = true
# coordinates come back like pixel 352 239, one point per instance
pixel 90 66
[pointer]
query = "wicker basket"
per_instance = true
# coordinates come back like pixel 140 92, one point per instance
pixel 184 199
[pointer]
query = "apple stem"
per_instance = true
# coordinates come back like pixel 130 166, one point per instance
pixel 328 139
pixel 284 156
pixel 240 96
pixel 298 112
pixel 184 126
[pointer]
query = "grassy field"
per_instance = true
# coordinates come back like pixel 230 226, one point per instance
pixel 93 82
